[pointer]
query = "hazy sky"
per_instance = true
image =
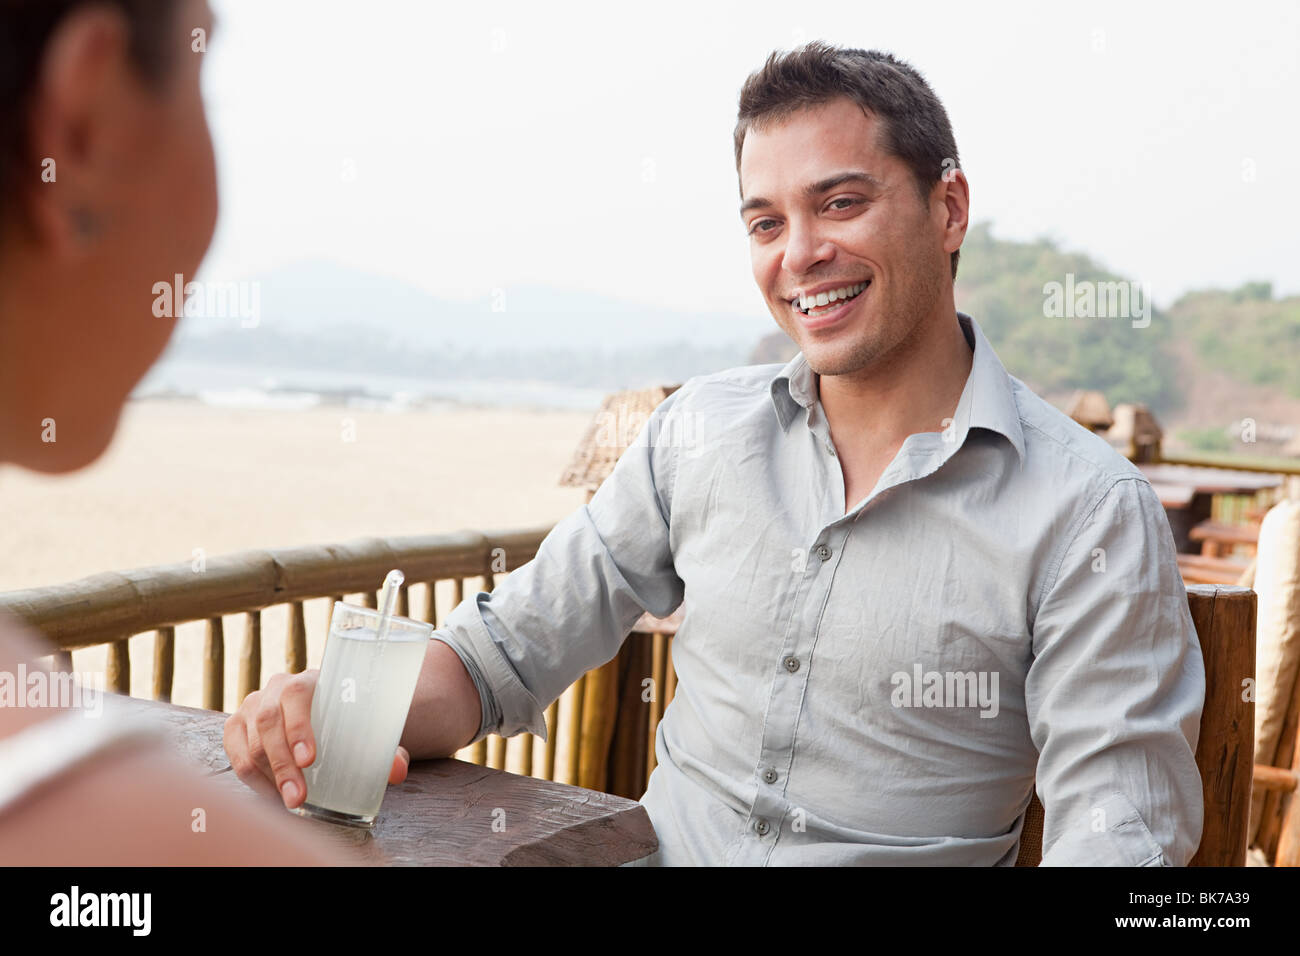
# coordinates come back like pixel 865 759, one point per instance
pixel 468 146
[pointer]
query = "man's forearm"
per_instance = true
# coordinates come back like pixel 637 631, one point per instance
pixel 446 710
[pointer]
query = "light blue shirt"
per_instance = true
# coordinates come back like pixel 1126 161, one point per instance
pixel 882 686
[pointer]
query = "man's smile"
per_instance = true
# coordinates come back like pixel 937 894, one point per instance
pixel 824 305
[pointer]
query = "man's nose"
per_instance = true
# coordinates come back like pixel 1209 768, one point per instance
pixel 805 248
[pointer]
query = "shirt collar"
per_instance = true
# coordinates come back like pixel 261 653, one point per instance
pixel 987 400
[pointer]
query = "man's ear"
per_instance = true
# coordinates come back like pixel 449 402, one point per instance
pixel 953 193
pixel 79 122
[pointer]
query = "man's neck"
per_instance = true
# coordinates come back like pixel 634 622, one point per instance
pixel 874 412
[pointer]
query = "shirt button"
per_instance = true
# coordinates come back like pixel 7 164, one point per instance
pixel 831 449
pixel 769 775
pixel 823 552
pixel 761 828
pixel 791 664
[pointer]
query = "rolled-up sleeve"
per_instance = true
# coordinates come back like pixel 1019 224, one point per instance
pixel 1115 692
pixel 570 608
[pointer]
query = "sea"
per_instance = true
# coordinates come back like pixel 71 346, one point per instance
pixel 248 386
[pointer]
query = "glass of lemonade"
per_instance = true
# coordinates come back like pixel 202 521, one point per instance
pixel 358 712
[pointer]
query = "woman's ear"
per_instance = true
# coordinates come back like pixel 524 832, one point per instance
pixel 82 119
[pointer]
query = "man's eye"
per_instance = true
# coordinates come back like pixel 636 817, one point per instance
pixel 847 202
pixel 761 225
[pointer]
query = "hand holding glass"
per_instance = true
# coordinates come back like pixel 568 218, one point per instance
pixel 362 698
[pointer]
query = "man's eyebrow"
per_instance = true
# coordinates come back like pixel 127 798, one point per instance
pixel 817 188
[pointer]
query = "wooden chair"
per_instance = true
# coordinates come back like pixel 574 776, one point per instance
pixel 606 734
pixel 1275 816
pixel 1278 838
pixel 1225 623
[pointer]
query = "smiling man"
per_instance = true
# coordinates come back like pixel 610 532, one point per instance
pixel 913 590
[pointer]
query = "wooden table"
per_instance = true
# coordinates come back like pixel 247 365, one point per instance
pixel 1187 492
pixel 443 813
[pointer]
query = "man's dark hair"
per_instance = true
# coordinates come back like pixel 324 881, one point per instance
pixel 914 125
pixel 25 29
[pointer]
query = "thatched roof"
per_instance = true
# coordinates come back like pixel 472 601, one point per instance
pixel 1135 425
pixel 1091 410
pixel 621 417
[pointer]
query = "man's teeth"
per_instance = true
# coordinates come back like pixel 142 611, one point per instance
pixel 808 303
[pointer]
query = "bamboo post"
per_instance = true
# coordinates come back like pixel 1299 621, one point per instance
pixel 371 600
pixel 214 666
pixel 477 753
pixel 118 671
pixel 164 666
pixel 543 761
pixel 250 655
pixel 599 708
pixel 458 592
pixel 519 754
pixel 659 676
pixel 431 604
pixel 63 661
pixel 496 752
pixel 626 775
pixel 670 678
pixel 404 601
pixel 295 648
pixel 568 731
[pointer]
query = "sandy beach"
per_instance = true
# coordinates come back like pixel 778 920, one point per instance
pixel 182 476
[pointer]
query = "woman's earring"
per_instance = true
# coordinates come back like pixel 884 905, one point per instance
pixel 84 222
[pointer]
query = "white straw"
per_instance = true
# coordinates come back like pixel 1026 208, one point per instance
pixel 388 601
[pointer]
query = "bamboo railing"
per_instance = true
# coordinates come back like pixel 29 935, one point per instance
pixel 109 609
pixel 1279 466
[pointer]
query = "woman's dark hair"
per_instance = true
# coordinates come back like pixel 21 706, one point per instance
pixel 26 27
pixel 914 124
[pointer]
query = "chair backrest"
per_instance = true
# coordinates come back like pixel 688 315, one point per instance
pixel 1273 821
pixel 1225 623
pixel 602 729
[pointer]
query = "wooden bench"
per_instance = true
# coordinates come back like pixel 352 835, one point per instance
pixel 1197 569
pixel 1218 539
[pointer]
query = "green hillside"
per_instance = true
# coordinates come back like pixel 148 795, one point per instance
pixel 1244 332
pixel 1001 284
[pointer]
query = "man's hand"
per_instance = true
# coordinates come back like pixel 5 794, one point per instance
pixel 269 739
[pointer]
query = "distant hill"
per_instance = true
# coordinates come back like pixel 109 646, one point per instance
pixel 1203 364
pixel 319 316
pixel 1244 332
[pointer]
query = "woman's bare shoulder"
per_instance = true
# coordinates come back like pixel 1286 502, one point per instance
pixel 137 804
pixel 142 808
